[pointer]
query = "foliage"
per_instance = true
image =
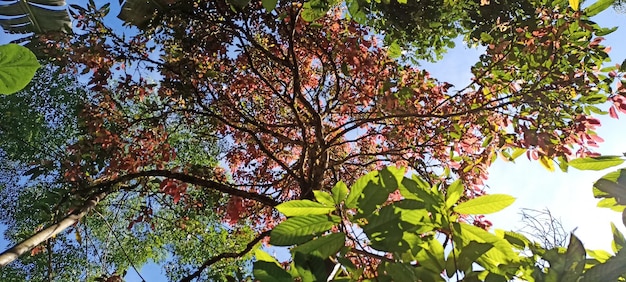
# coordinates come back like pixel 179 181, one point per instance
pixel 17 67
pixel 301 97
pixel 417 236
pixel 38 124
pixel 34 16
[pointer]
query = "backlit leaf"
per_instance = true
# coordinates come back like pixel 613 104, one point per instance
pixel 297 230
pixel 485 204
pixel 17 67
pixel 596 163
pixel 303 207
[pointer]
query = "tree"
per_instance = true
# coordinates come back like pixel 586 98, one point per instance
pixel 302 105
pixel 128 228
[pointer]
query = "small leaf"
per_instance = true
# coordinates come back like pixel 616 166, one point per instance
pixel 300 229
pixel 269 5
pixel 485 204
pixel 454 193
pixel 394 50
pixel 547 163
pixel 303 207
pixel 575 4
pixel 598 7
pixel 17 67
pixel 618 239
pixel 596 163
pixel 324 197
pixel 622 67
pixel 340 192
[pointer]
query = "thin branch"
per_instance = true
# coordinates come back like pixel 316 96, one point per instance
pixel 221 256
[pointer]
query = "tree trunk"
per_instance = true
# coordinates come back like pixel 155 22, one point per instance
pixel 11 254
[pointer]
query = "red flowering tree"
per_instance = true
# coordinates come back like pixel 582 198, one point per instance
pixel 298 105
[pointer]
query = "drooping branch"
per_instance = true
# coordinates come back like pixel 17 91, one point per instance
pixel 221 187
pixel 13 253
pixel 221 256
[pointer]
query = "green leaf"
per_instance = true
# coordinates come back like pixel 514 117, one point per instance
pixel 384 230
pixel 618 239
pixel 340 192
pixel 574 259
pixel 622 67
pixel 615 190
pixel 324 197
pixel 297 230
pixel 605 31
pixel 394 50
pixel 313 10
pixel 575 4
pixel 323 246
pixel 502 251
pixel 309 268
pixel 547 163
pixel 269 5
pixel 431 255
pixel 518 240
pixel 611 270
pixel 469 254
pixel 17 68
pixel 356 190
pixel 454 193
pixel 303 207
pixel 517 152
pixel 266 268
pixel 598 7
pixel 596 163
pixel 485 204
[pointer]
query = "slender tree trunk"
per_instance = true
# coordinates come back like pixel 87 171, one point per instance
pixel 11 254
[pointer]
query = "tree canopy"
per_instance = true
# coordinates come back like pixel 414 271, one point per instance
pixel 214 125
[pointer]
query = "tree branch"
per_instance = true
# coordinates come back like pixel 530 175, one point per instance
pixel 13 253
pixel 221 256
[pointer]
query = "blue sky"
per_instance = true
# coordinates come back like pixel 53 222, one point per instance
pixel 567 195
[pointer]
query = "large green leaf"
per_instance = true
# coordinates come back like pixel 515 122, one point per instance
pixel 141 12
pixel 324 197
pixel 596 163
pixel 266 268
pixel 574 259
pixel 356 190
pixel 297 230
pixel 485 204
pixel 619 241
pixel 269 5
pixel 17 68
pixel 454 193
pixel 612 189
pixel 303 207
pixel 501 253
pixel 38 16
pixel 598 7
pixel 323 246
pixel 468 255
pixel 611 270
pixel 339 192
